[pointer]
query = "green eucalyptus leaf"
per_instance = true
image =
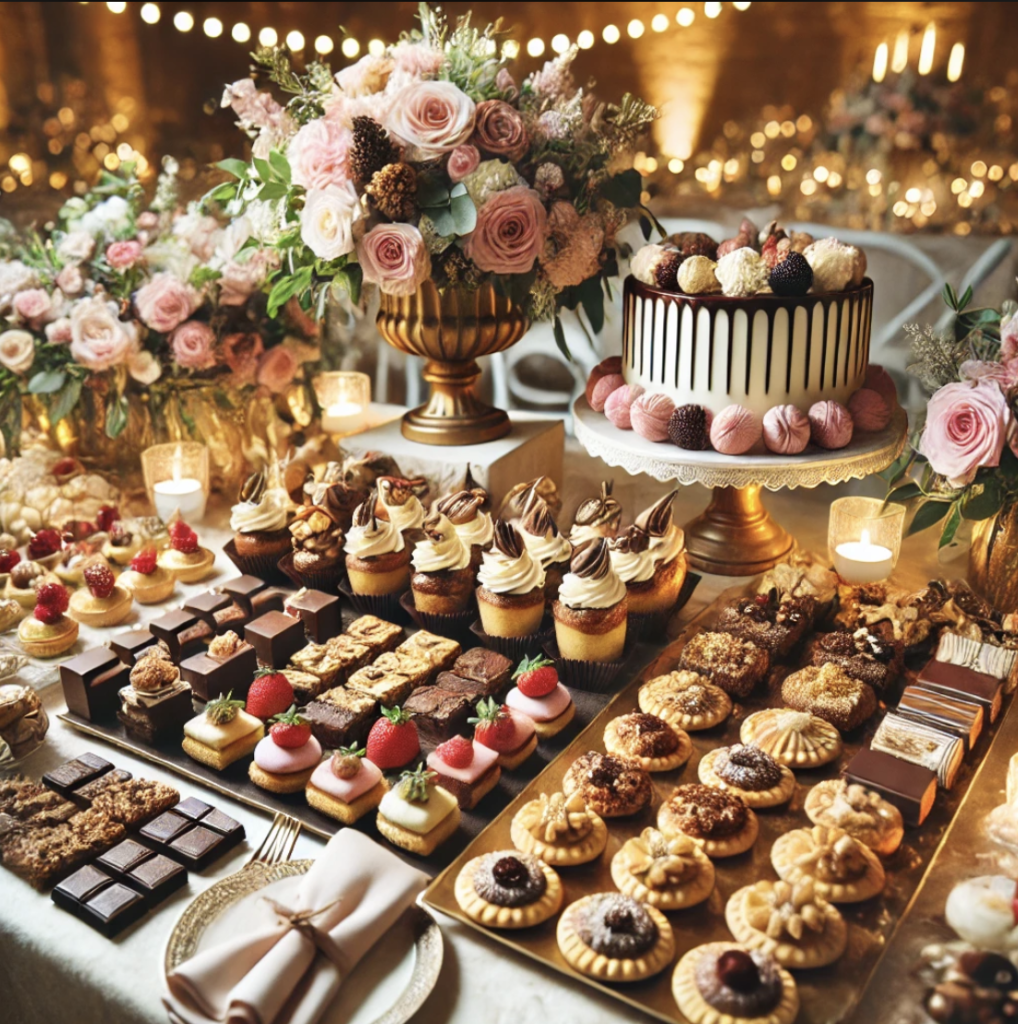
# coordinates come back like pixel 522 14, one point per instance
pixel 951 526
pixel 49 382
pixel 444 221
pixel 221 193
pixel 907 492
pixel 593 303
pixel 233 166
pixel 116 417
pixel 274 190
pixel 66 401
pixel 929 514
pixel 464 213
pixel 431 192
pixel 281 166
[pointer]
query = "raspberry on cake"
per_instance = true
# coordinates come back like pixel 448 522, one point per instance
pixel 103 604
pixel 185 559
pixel 347 786
pixel 146 580
pixel 467 769
pixel 49 631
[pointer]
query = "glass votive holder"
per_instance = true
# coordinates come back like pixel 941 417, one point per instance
pixel 344 397
pixel 865 539
pixel 177 479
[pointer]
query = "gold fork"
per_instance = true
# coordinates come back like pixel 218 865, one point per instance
pixel 277 847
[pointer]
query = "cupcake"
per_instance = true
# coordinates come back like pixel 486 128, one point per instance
pixel 222 734
pixel 49 631
pixel 400 505
pixel 545 543
pixel 184 559
pixel 417 815
pixel 511 591
pixel 103 604
pixel 338 493
pixel 285 761
pixel 597 518
pixel 509 891
pixel 123 544
pixel 560 829
pixel 465 510
pixel 317 556
pixel 259 522
pixel 377 557
pixel 656 588
pixel 147 580
pixel 157 704
pixel 592 610
pixel 347 786
pixel 443 579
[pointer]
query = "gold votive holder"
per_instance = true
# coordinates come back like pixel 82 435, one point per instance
pixel 177 479
pixel 865 539
pixel 344 397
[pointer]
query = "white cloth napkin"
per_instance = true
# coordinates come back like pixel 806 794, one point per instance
pixel 286 973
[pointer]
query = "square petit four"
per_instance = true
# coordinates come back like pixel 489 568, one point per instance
pixel 418 815
pixel 228 667
pixel 440 652
pixel 243 590
pixel 129 646
pixel 158 702
pixel 909 787
pixel 960 718
pixel 964 684
pixel 351 654
pixel 772 622
pixel 415 668
pixel 183 634
pixel 321 614
pixel 341 717
pixel 870 654
pixel 319 660
pixel 222 734
pixel 999 662
pixel 92 683
pixel 466 769
pixel 346 787
pixel 379 635
pixel 390 689
pixel 438 714
pixel 218 612
pixel 478 673
pixel 276 638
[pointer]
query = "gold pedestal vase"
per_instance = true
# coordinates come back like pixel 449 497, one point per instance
pixel 993 560
pixel 452 329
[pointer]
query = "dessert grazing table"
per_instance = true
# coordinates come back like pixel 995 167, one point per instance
pixel 51 962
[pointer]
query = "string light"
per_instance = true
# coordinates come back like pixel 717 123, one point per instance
pixel 560 43
pixel 212 27
pixel 117 6
pixel 880 59
pixel 324 45
pixel 241 32
pixel 183 21
pixel 635 28
pixel 712 10
pixel 611 34
pixel 295 41
pixel 376 47
pixel 535 47
pixel 676 166
pixel 686 17
pixel 150 14
pixel 585 40
pixel 741 6
pixel 928 49
pixel 659 22
pixel 350 47
pixel 510 49
pixel 900 59
pixel 268 37
pixel 956 62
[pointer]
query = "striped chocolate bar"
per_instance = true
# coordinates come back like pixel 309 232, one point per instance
pixel 940 752
pixel 964 684
pixel 949 714
pixel 999 662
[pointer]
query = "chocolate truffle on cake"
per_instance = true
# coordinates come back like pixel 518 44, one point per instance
pixel 443 578
pixel 689 428
pixel 694 243
pixel 377 558
pixel 592 610
pixel 511 590
pixel 786 430
pixel 791 276
pixel 657 266
pixel 597 517
pixel 742 273
pixel 836 266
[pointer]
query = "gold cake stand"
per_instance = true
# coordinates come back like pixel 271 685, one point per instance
pixel 736 535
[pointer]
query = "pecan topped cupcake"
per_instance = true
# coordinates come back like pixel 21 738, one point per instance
pixel 749 773
pixel 651 742
pixel 724 983
pixel 317 540
pixel 511 591
pixel 670 874
pixel 377 558
pixel 259 522
pixel 720 822
pixel 545 543
pixel 686 700
pixel 772 622
pixel 560 829
pixel 613 787
pixel 592 610
pixel 509 891
pixel 465 510
pixel 400 505
pixel 612 937
pixel 841 868
pixel 443 579
pixel 597 518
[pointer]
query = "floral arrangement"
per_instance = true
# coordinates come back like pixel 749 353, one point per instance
pixel 429 161
pixel 117 294
pixel 968 446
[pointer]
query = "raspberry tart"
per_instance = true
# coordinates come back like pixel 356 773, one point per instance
pixel 49 631
pixel 103 604
pixel 184 559
pixel 149 582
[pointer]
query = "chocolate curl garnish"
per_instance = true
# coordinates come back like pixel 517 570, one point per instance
pixel 253 489
pixel 462 507
pixel 657 521
pixel 438 527
pixel 508 539
pixel 633 542
pixel 395 492
pixel 596 511
pixel 537 518
pixel 365 516
pixel 592 561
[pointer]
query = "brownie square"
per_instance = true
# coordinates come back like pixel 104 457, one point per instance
pixel 182 633
pixel 734 665
pixel 438 714
pixel 157 879
pixel 130 646
pixel 276 638
pixel 379 635
pixel 92 683
pixel 417 669
pixel 341 718
pixel 437 650
pixel 388 688
pixel 322 614
pixel 306 687
pixel 193 809
pixel 489 671
pixel 112 910
pixel 870 654
pixel 165 828
pixel 774 624
pixel 351 654
pixel 150 724
pixel 123 858
pixel 243 590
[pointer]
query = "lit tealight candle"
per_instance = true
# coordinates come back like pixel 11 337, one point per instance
pixel 344 397
pixel 185 495
pixel 860 562
pixel 343 418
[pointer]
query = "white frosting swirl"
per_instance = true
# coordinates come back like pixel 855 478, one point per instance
pixel 667 548
pixel 634 567
pixel 550 549
pixel 271 513
pixel 405 517
pixel 579 593
pixel 374 541
pixel 447 554
pixel 580 535
pixel 516 576
pixel 478 533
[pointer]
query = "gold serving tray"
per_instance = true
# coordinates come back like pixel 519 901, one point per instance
pixel 829 995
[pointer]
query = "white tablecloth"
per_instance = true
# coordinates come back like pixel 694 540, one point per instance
pixel 54 969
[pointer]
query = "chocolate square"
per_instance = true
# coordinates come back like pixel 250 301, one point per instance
pixel 130 646
pixel 908 787
pixel 224 825
pixel 84 796
pixel 95 762
pixel 438 714
pixel 79 772
pixel 85 883
pixel 92 683
pixel 218 612
pixel 112 910
pixel 150 724
pixel 211 678
pixel 157 879
pixel 243 590
pixel 193 809
pixel 965 684
pixel 124 858
pixel 272 600
pixel 182 632
pixel 165 828
pixel 276 638
pixel 321 614
pixel 200 847
pixel 341 718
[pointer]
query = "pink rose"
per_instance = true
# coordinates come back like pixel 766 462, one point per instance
pixel 320 155
pixel 368 76
pixel 966 428
pixel 395 257
pixel 33 306
pixel 506 84
pixel 123 255
pixel 277 369
pixel 241 353
pixel 510 233
pixel 241 280
pixel 148 220
pixel 192 343
pixel 432 118
pixel 165 303
pixel 99 338
pixel 417 59
pixel 463 161
pixel 499 130
pixel 71 281
pixel 1004 374
pixel 59 332
pixel 1009 339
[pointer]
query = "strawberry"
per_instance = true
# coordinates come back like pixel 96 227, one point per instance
pixel 183 538
pixel 270 695
pixel 100 580
pixel 393 741
pixel 289 730
pixel 108 515
pixel 65 468
pixel 8 559
pixel 145 561
pixel 347 762
pixel 457 753
pixel 44 544
pixel 536 678
pixel 51 601
pixel 496 729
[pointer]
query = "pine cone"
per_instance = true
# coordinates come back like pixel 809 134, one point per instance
pixel 372 149
pixel 394 191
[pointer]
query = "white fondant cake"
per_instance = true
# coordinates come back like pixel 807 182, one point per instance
pixel 758 352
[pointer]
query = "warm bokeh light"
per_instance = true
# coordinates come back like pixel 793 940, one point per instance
pixel 376 47
pixel 268 37
pixel 900 59
pixel 585 40
pixel 659 22
pixel 183 21
pixel 880 59
pixel 928 50
pixel 956 62
pixel 712 10
pixel 241 32
pixel 213 28
pixel 686 16
pixel 560 43
pixel 535 47
pixel 510 49
pixel 324 45
pixel 295 41
pixel 150 13
pixel 611 34
pixel 741 5
pixel 635 28
pixel 350 47
pixel 117 6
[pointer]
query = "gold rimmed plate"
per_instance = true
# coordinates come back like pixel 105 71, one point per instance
pixel 407 961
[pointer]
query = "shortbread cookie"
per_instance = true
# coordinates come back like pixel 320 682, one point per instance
pixel 863 814
pixel 749 773
pixel 561 830
pixel 509 891
pixel 841 868
pixel 795 739
pixel 719 822
pixel 670 874
pixel 654 744
pixel 687 701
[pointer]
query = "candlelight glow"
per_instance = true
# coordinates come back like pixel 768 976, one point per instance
pixel 928 49
pixel 880 63
pixel 956 62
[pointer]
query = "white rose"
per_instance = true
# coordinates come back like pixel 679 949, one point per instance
pixel 75 247
pixel 144 368
pixel 109 218
pixel 99 339
pixel 326 223
pixel 15 277
pixel 432 118
pixel 17 351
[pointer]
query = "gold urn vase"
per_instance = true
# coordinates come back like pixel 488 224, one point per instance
pixel 452 329
pixel 993 560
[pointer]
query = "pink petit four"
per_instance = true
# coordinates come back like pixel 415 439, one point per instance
pixel 466 769
pixel 540 709
pixel 483 761
pixel 270 757
pixel 346 790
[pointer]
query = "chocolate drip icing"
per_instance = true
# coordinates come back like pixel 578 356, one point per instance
pixel 592 561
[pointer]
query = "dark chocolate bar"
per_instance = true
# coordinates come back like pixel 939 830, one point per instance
pixel 922 744
pixel 74 774
pixel 965 684
pixel 276 638
pixel 909 787
pixel 321 614
pixel 958 717
pixel 93 897
pixel 243 590
pixel 211 678
pixel 182 632
pixel 193 834
pixel 157 878
pixel 218 612
pixel 92 683
pixel 130 646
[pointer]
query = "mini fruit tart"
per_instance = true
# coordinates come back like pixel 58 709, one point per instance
pixel 651 742
pixel 687 701
pixel 150 583
pixel 509 891
pixel 103 604
pixel 749 773
pixel 796 739
pixel 670 874
pixel 841 868
pixel 720 822
pixel 863 814
pixel 561 830
pixel 613 787
pixel 49 631
pixel 724 983
pixel 184 559
pixel 613 938
pixel 789 922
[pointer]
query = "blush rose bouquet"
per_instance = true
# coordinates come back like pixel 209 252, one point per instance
pixel 430 161
pixel 962 464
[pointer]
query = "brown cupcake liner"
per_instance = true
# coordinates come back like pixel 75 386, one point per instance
pixel 453 627
pixel 644 628
pixel 263 567
pixel 382 606
pixel 590 676
pixel 327 580
pixel 516 648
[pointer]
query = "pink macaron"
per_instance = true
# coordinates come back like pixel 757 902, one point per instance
pixel 786 430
